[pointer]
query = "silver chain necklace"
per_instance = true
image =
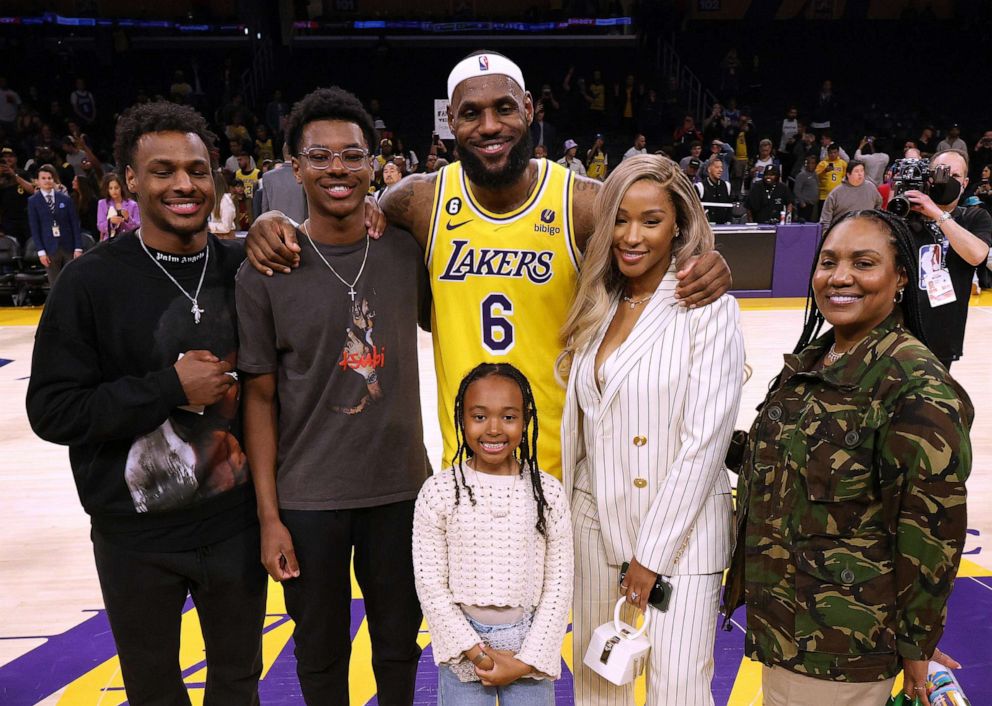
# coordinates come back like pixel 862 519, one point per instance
pixel 832 355
pixel 196 311
pixel 351 287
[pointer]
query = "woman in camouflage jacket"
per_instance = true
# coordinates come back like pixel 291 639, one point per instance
pixel 851 495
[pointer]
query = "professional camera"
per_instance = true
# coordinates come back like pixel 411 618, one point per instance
pixel 917 174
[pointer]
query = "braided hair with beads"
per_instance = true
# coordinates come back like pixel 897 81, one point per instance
pixel 525 454
pixel 906 257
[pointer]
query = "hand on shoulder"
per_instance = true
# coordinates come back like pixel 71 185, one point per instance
pixel 409 203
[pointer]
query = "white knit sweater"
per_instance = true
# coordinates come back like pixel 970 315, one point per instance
pixel 465 555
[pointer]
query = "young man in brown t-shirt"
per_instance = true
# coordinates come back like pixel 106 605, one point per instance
pixel 332 411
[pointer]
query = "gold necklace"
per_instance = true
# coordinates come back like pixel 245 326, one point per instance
pixel 636 302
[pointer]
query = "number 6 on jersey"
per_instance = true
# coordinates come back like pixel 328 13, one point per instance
pixel 497 329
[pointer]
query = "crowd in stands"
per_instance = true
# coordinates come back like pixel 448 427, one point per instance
pixel 790 168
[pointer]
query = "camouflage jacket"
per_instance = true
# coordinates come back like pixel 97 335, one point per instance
pixel 851 509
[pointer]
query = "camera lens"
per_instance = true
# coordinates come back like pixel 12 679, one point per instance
pixel 899 205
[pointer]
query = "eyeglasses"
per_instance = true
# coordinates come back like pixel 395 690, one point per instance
pixel 353 158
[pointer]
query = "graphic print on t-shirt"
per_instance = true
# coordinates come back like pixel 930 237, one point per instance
pixel 194 454
pixel 361 356
pixel 191 457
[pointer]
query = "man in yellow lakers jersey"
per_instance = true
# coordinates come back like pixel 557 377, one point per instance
pixel 502 235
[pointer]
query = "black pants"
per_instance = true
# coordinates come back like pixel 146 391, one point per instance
pixel 58 259
pixel 320 599
pixel 144 593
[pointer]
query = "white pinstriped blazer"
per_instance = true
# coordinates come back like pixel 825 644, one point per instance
pixel 661 433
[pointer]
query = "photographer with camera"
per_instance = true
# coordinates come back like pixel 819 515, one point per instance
pixel 963 234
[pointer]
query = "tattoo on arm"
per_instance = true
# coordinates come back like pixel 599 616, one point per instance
pixel 584 184
pixel 584 197
pixel 396 204
pixel 408 205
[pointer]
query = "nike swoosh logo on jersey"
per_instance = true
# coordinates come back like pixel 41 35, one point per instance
pixel 452 226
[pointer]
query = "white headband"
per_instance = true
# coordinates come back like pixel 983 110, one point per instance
pixel 483 65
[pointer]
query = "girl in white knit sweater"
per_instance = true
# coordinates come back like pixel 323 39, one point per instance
pixel 492 551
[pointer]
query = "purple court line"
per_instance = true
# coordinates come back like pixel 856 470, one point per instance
pixel 66 657
pixel 281 685
pixel 60 660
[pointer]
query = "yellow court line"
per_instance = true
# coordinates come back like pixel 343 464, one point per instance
pixel 983 299
pixel 361 680
pixel 747 686
pixel 970 568
pixel 22 316
pixel 92 687
pixel 29 316
pixel 786 303
pixel 762 304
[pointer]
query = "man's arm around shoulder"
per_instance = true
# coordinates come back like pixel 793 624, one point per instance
pixel 584 194
pixel 409 203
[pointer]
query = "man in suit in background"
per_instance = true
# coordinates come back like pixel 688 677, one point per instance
pixel 54 224
pixel 281 192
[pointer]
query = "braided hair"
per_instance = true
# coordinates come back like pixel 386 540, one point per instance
pixel 902 243
pixel 525 454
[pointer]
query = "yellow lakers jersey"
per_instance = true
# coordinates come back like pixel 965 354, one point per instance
pixel 597 167
pixel 502 286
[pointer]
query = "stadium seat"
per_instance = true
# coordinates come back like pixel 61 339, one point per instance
pixel 33 278
pixel 10 257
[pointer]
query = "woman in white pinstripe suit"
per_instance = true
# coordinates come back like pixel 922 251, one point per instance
pixel 653 390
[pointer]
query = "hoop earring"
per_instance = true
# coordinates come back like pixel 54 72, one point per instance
pixel 899 297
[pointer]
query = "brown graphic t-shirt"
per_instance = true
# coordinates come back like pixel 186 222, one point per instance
pixel 347 379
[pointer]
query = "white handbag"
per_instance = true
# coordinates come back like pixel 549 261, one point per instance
pixel 617 651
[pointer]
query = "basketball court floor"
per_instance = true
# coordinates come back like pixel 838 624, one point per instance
pixel 56 647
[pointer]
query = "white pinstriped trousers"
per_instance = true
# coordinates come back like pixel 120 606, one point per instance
pixel 680 666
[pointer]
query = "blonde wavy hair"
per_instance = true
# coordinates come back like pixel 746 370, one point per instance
pixel 600 280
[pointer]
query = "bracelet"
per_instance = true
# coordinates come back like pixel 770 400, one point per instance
pixel 479 657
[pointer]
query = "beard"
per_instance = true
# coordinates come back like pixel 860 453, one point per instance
pixel 516 164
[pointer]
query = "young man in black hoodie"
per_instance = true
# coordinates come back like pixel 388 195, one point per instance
pixel 133 370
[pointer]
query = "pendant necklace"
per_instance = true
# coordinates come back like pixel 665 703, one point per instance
pixel 636 302
pixel 495 509
pixel 351 287
pixel 196 311
pixel 832 355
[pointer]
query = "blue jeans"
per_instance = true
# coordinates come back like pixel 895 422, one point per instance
pixel 523 692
